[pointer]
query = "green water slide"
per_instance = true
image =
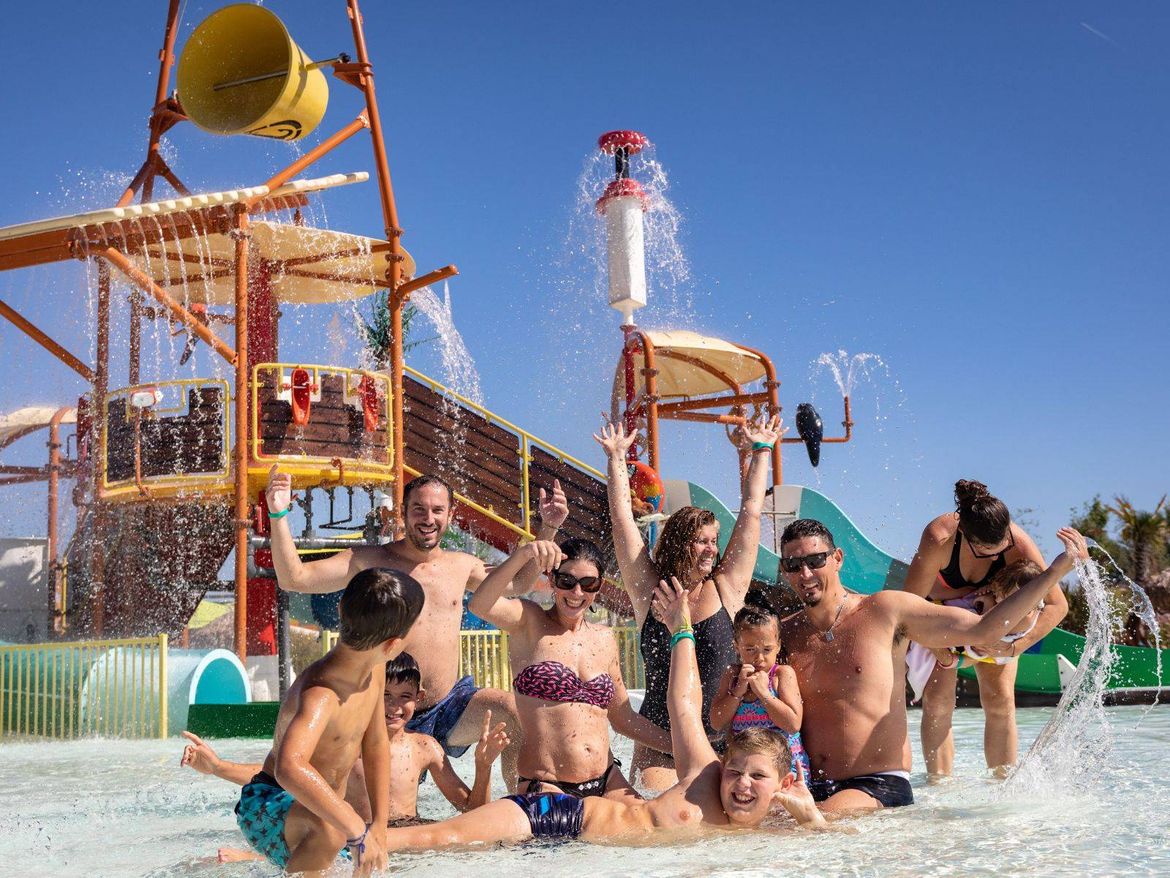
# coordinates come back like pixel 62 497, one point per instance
pixel 868 569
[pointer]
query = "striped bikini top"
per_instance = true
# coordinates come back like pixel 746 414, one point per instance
pixel 751 714
pixel 552 681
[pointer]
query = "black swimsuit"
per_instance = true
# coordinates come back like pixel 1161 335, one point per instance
pixel 953 577
pixel 714 651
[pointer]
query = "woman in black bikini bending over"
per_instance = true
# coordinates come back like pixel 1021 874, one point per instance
pixel 568 686
pixel 959 554
pixel 689 550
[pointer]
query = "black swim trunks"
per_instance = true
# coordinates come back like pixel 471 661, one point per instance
pixel 552 815
pixel 892 790
pixel 593 787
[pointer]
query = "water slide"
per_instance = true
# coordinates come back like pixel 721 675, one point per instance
pixel 1044 669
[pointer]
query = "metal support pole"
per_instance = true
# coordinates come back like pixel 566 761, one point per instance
pixel 283 642
pixel 240 456
pixel 33 332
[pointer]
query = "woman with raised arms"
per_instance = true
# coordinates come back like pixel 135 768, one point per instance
pixel 569 687
pixel 688 550
pixel 712 795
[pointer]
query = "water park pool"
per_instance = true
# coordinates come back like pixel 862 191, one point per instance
pixel 125 808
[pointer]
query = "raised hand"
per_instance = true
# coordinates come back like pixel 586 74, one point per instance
pixel 547 555
pixel 615 440
pixel 279 490
pixel 554 508
pixel 199 755
pixel 768 431
pixel 797 800
pixel 492 741
pixel 671 604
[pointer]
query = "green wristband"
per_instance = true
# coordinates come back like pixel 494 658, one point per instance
pixel 281 514
pixel 761 446
pixel 679 636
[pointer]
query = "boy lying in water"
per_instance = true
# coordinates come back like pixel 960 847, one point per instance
pixel 711 795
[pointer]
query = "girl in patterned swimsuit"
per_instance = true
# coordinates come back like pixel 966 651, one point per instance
pixel 759 692
pixel 569 686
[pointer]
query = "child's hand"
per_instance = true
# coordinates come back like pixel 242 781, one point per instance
pixel 798 801
pixel 374 858
pixel 492 741
pixel 554 508
pixel 740 686
pixel 199 755
pixel 759 684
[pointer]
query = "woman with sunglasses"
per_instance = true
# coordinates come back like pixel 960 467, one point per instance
pixel 687 549
pixel 959 554
pixel 568 683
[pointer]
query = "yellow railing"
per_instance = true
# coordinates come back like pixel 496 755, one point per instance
pixel 484 656
pixel 112 688
pixel 525 442
pixel 177 480
pixel 350 395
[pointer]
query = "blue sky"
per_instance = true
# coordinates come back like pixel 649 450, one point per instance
pixel 976 192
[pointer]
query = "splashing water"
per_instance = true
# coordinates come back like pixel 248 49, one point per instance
pixel 1075 744
pixel 459 371
pixel 845 368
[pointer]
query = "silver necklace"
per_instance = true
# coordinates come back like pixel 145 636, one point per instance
pixel 827 634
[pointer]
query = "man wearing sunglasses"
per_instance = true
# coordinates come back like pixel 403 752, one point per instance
pixel 849 654
pixel 454 709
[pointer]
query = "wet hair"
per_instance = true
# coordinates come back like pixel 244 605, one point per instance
pixel 403 669
pixel 982 517
pixel 674 553
pixel 806 527
pixel 1012 577
pixel 757 739
pixel 754 617
pixel 419 482
pixel 583 550
pixel 377 605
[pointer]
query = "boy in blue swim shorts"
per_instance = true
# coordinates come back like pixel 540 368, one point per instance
pixel 294 811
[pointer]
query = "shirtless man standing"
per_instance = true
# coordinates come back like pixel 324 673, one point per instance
pixel 849 654
pixel 453 709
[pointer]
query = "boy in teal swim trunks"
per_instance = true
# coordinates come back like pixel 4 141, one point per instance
pixel 294 812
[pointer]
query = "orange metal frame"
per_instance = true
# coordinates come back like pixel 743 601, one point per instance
pixel 111 243
pixel 652 409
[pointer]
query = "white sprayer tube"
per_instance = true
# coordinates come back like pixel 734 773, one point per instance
pixel 627 254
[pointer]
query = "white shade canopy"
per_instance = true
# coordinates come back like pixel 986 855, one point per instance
pixel 691 365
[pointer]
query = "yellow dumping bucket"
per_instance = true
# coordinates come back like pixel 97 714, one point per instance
pixel 241 43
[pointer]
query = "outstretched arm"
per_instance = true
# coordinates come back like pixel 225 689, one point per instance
pixel 639 575
pixel 936 626
pixel 1055 603
pixel 488 601
pixel 684 697
pixel 734 576
pixel 203 759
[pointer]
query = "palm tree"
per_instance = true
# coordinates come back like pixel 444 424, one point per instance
pixel 1144 534
pixel 377 329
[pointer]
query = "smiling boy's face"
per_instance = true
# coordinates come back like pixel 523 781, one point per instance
pixel 399 701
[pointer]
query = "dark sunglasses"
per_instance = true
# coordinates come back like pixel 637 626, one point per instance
pixel 970 545
pixel 814 561
pixel 567 582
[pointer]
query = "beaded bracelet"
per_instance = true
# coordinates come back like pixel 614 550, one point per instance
pixel 281 514
pixel 762 446
pixel 684 634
